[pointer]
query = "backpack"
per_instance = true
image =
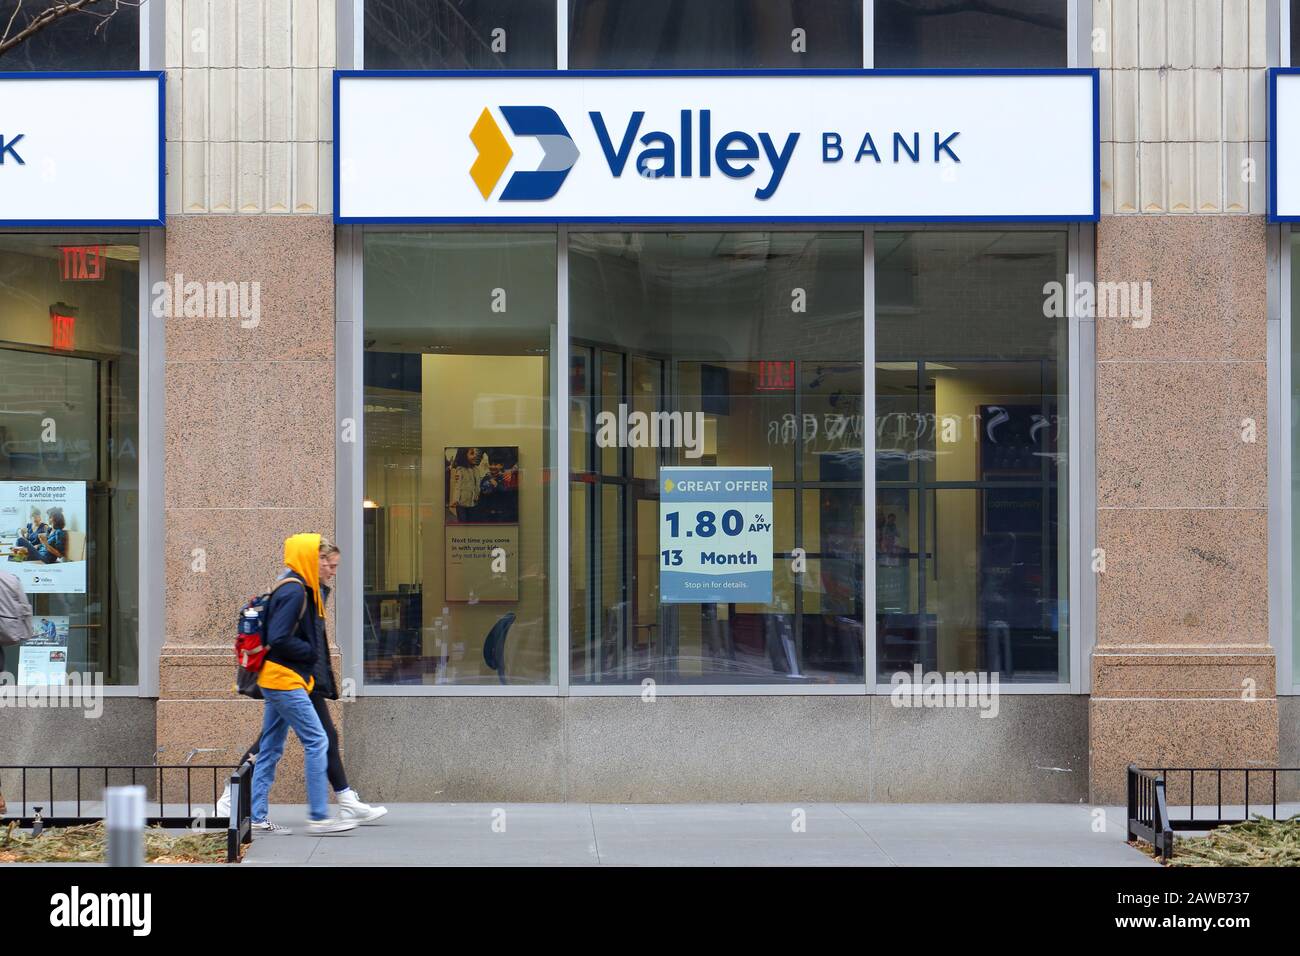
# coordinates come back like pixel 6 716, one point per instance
pixel 251 645
pixel 15 612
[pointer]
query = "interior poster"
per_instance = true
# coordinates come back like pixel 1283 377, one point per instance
pixel 715 535
pixel 45 665
pixel 43 535
pixel 481 523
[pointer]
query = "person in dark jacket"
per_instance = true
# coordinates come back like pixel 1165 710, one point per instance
pixel 287 680
pixel 324 689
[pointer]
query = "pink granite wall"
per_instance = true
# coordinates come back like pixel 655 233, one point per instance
pixel 249 459
pixel 1182 672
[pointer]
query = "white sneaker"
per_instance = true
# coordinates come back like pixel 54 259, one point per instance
pixel 266 826
pixel 330 825
pixel 223 804
pixel 351 808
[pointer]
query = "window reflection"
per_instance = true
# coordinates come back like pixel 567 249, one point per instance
pixel 910 34
pixel 719 34
pixel 755 332
pixel 971 454
pixel 457 449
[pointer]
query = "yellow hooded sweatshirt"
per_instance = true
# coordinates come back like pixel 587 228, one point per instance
pixel 302 555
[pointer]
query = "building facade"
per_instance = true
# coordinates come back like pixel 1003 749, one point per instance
pixel 1070 413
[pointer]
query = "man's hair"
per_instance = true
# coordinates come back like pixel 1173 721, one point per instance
pixel 328 547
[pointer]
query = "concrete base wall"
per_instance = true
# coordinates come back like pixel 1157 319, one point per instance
pixel 123 734
pixel 680 749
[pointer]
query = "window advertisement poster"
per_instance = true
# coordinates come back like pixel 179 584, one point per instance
pixel 715 535
pixel 481 526
pixel 42 665
pixel 43 535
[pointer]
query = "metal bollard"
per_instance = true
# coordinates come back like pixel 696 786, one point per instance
pixel 124 810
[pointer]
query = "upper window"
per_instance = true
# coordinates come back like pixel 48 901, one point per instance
pixel 460 34
pixel 720 34
pixel 91 39
pixel 911 34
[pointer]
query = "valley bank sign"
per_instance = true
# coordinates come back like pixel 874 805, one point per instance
pixel 761 146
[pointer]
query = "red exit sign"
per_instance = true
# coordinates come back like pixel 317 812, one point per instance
pixel 776 376
pixel 81 263
pixel 63 331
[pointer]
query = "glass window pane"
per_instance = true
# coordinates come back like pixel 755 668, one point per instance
pixel 719 34
pixel 1295 439
pixel 458 332
pixel 971 528
pixel 460 34
pixel 752 335
pixel 910 34
pixel 69 370
pixel 103 37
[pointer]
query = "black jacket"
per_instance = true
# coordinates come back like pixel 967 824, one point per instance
pixel 326 686
pixel 292 641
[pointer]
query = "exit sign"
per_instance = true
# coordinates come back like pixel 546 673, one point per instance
pixel 81 263
pixel 775 376
pixel 63 331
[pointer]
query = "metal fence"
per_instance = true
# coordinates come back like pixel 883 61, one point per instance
pixel 46 787
pixel 1149 816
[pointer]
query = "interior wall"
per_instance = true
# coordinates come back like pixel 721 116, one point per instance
pixel 486 401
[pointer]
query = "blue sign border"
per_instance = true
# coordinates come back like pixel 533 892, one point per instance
pixel 161 77
pixel 1273 74
pixel 633 220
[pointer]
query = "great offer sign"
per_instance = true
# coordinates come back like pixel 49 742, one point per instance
pixel 715 535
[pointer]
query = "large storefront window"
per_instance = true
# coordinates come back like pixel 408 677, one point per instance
pixel 457 512
pixel 972 555
pixel 940 33
pixel 69 450
pixel 756 338
pixel 459 34
pixel 717 35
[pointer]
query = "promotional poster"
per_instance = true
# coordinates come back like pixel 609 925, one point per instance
pixel 715 535
pixel 43 535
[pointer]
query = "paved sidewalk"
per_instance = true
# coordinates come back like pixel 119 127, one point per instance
pixel 442 834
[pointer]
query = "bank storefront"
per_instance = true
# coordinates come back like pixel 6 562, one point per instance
pixel 670 381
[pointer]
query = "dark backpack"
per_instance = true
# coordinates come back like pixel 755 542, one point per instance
pixel 251 644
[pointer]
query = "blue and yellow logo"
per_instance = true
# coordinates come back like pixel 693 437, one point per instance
pixel 494 153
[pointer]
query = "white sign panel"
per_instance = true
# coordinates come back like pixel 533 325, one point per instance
pixel 838 146
pixel 81 149
pixel 43 535
pixel 1284 145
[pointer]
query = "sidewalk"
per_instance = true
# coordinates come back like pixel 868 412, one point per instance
pixel 440 834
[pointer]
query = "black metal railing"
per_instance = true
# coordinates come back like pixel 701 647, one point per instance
pixel 1148 813
pixel 46 786
pixel 1149 817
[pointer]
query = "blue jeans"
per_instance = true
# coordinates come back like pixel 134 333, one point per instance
pixel 285 709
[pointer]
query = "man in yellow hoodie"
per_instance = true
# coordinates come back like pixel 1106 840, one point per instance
pixel 286 682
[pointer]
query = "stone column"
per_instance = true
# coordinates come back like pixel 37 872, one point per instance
pixel 1182 672
pixel 249 410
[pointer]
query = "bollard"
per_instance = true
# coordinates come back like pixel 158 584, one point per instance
pixel 124 810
